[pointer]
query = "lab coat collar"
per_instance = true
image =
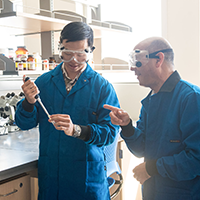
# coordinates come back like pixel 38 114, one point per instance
pixel 168 86
pixel 171 82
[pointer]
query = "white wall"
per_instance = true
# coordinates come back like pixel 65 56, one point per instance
pixel 33 43
pixel 180 25
pixel 143 16
pixel 130 96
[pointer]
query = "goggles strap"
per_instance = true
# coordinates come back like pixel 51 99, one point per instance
pixel 153 55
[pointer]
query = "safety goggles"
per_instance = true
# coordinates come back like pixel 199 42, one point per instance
pixel 80 57
pixel 141 57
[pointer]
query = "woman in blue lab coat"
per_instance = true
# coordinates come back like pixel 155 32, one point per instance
pixel 71 161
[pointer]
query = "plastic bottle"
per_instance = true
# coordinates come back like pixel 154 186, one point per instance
pixel 31 62
pixel 38 61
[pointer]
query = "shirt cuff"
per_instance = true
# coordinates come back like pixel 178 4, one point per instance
pixel 128 130
pixel 151 167
pixel 27 106
pixel 85 133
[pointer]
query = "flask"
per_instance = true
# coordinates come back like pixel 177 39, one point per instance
pixel 52 63
pixel 31 62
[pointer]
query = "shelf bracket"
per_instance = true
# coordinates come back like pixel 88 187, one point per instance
pixel 9 66
pixel 47 44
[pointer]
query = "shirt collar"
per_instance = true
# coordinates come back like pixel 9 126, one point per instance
pixel 171 82
pixel 66 75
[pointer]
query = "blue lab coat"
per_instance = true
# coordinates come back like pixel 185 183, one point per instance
pixel 70 168
pixel 168 131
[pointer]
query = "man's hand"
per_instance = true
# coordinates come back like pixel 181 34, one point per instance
pixel 140 173
pixel 30 90
pixel 118 116
pixel 62 122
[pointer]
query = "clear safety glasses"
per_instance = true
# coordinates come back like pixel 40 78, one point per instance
pixel 80 57
pixel 140 58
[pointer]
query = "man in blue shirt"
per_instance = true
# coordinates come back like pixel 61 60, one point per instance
pixel 168 130
pixel 72 163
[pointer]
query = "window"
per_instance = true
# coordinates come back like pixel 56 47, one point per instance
pixel 143 16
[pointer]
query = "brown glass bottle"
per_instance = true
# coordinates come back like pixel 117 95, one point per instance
pixel 31 62
pixel 21 52
pixel 52 63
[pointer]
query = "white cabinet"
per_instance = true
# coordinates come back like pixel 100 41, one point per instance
pixel 14 189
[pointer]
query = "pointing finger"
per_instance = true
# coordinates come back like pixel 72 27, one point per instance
pixel 109 107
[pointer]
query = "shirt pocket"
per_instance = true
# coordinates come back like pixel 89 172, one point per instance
pixel 171 141
pixel 170 144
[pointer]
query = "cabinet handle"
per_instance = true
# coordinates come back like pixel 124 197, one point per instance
pixel 5 195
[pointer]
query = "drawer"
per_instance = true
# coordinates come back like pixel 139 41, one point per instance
pixel 16 189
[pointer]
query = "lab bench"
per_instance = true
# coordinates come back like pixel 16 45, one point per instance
pixel 18 164
pixel 19 152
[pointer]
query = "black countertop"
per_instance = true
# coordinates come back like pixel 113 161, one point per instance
pixel 18 152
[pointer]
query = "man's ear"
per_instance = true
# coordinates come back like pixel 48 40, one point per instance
pixel 160 60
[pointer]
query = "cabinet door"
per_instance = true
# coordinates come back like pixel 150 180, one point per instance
pixel 16 189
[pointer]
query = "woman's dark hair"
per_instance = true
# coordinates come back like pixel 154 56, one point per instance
pixel 76 31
